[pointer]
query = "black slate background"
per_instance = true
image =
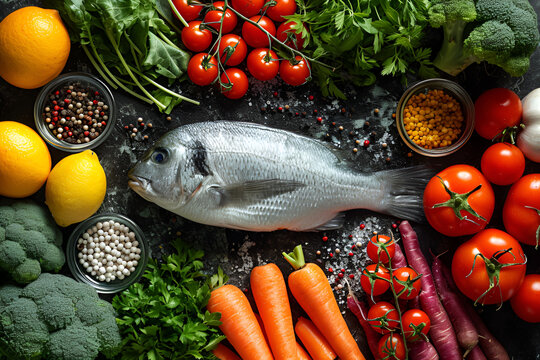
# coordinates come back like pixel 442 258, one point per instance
pixel 236 251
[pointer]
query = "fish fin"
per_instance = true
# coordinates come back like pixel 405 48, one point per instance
pixel 254 191
pixel 335 223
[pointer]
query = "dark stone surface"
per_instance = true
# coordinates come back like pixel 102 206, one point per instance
pixel 236 251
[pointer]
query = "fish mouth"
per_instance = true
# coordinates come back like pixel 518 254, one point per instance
pixel 138 183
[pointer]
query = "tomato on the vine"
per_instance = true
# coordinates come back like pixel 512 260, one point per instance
pixel 254 36
pixel 383 317
pixel 391 347
pixel 376 248
pixel 503 163
pixel 521 211
pixel 189 9
pixel 232 50
pixel 489 268
pixel 469 207
pixel 280 9
pixel 196 39
pixel 415 322
pixel 263 64
pixel 407 283
pixel 213 18
pixel 495 110
pixel 286 34
pixel 202 69
pixel 248 8
pixel 234 83
pixel 295 72
pixel 372 280
pixel 525 302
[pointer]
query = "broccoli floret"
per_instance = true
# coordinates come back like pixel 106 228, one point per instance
pixel 30 242
pixel 500 32
pixel 56 318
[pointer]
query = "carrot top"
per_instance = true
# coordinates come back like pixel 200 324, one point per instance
pixel 295 258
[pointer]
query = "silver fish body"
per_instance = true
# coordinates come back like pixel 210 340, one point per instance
pixel 252 177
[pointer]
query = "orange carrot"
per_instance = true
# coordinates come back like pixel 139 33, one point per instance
pixel 315 343
pixel 312 291
pixel 239 323
pixel 224 353
pixel 270 293
pixel 302 354
pixel 259 320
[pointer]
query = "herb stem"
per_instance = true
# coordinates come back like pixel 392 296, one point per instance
pixel 167 40
pixel 171 24
pixel 99 70
pixel 175 11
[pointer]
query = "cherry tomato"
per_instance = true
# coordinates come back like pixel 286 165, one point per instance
pixel 254 36
pixel 202 69
pixel 281 9
pixel 248 8
pixel 521 211
pixel 213 18
pixel 285 33
pixel 460 180
pixel 196 39
pixel 383 317
pixel 263 64
pixel 189 9
pixel 232 50
pixel 371 282
pixel 234 83
pixel 375 248
pixel 525 302
pixel 498 251
pixel 391 347
pixel 503 163
pixel 296 72
pixel 415 322
pixel 495 110
pixel 406 283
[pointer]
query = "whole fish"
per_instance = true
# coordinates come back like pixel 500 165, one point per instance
pixel 252 177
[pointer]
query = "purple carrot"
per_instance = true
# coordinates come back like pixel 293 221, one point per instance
pixel 399 259
pixel 476 354
pixel 422 350
pixel 360 310
pixel 491 347
pixel 466 333
pixel 442 333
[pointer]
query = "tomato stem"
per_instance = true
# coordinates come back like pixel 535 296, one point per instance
pixel 459 202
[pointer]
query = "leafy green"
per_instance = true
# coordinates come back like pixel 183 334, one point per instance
pixel 363 39
pixel 164 316
pixel 130 44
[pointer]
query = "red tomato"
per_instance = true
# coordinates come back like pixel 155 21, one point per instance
pixel 460 180
pixel 202 69
pixel 371 281
pixel 232 50
pixel 285 33
pixel 505 267
pixel 296 72
pixel 376 248
pixel 254 36
pixel 196 39
pixel 189 9
pixel 248 8
pixel 495 110
pixel 234 83
pixel 415 322
pixel 503 163
pixel 383 317
pixel 391 347
pixel 263 64
pixel 281 9
pixel 406 283
pixel 525 303
pixel 521 215
pixel 213 18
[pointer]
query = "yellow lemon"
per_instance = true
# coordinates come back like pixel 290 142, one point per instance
pixel 25 161
pixel 76 188
pixel 34 47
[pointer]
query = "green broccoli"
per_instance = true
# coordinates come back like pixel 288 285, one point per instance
pixel 30 242
pixel 500 32
pixel 56 318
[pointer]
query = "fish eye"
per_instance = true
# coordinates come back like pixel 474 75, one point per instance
pixel 159 156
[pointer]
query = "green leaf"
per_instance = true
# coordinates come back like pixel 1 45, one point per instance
pixel 166 60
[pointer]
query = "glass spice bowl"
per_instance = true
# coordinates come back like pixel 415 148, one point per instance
pixel 81 274
pixel 448 87
pixel 89 85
